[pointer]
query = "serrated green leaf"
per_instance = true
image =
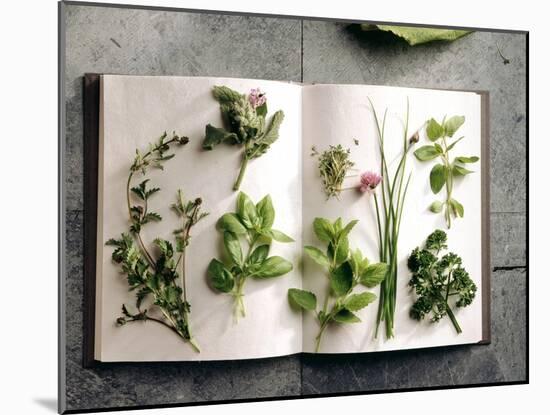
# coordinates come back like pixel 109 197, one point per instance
pixel 347 229
pixel 341 279
pixel 323 229
pixel 266 212
pixel 453 124
pixel 231 222
pixel 317 255
pixel 434 130
pixel 342 250
pixel 220 276
pixel 346 316
pixel 302 299
pixel 438 177
pixel 274 266
pixel 373 274
pixel 356 302
pixel 233 247
pixel 426 153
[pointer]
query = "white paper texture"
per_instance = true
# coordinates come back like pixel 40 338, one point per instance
pixel 136 110
pixel 338 114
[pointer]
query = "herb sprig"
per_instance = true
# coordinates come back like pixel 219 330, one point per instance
pixel 160 276
pixel 443 174
pixel 346 269
pixel 245 119
pixel 437 280
pixel 334 165
pixel 253 224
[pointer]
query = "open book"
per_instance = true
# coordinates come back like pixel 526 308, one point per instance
pixel 129 112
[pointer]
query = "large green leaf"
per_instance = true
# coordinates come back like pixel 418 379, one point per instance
pixel 233 247
pixel 302 299
pixel 356 302
pixel 247 211
pixel 231 222
pixel 426 153
pixel 266 212
pixel 453 124
pixel 317 255
pixel 438 177
pixel 341 279
pixel 220 276
pixel 418 35
pixel 346 316
pixel 373 274
pixel 214 136
pixel 323 229
pixel 274 266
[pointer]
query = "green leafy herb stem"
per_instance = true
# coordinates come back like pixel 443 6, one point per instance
pixel 334 165
pixel 160 276
pixel 246 125
pixel 443 174
pixel 252 224
pixel 346 269
pixel 437 280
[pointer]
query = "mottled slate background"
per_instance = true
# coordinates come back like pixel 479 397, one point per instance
pixel 149 42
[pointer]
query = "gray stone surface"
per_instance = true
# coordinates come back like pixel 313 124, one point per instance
pixel 109 40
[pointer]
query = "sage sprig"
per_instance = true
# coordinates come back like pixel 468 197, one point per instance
pixel 159 274
pixel 252 224
pixel 246 123
pixel 438 280
pixel 345 269
pixel 443 174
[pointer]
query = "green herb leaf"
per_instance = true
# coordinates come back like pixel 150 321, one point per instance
pixel 341 279
pixel 342 251
pixel 271 135
pixel 262 110
pixel 460 171
pixel 317 255
pixel 356 302
pixel 323 229
pixel 277 235
pixel 373 274
pixel 215 136
pixel 231 223
pixel 259 254
pixel 220 276
pixel 347 229
pixel 246 211
pixel 346 316
pixel 426 153
pixel 233 248
pixel 302 299
pixel 464 159
pixel 458 209
pixel 436 206
pixel 453 124
pixel 454 143
pixel 434 130
pixel 224 94
pixel 265 210
pixel 274 266
pixel 356 262
pixel 438 177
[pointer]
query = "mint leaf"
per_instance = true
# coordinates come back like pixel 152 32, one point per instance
pixel 302 299
pixel 346 316
pixel 317 255
pixel 373 274
pixel 341 279
pixel 356 302
pixel 323 229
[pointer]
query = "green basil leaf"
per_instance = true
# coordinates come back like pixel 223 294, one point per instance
pixel 323 229
pixel 317 255
pixel 458 209
pixel 277 235
pixel 233 247
pixel 426 153
pixel 438 177
pixel 356 302
pixel 460 171
pixel 302 299
pixel 346 316
pixel 434 130
pixel 453 124
pixel 274 266
pixel 341 279
pixel 374 274
pixel 259 254
pixel 436 206
pixel 265 210
pixel 463 159
pixel 247 211
pixel 231 222
pixel 220 276
pixel 215 136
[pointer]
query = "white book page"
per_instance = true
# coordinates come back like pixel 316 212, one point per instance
pixel 135 111
pixel 338 114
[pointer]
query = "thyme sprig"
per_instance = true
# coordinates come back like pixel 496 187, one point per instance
pixel 334 165
pixel 161 276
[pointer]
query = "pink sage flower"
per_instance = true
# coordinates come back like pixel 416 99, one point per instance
pixel 369 181
pixel 256 98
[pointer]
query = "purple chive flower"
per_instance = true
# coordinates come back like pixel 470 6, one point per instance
pixel 256 97
pixel 369 181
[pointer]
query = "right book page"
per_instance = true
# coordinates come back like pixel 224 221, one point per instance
pixel 342 115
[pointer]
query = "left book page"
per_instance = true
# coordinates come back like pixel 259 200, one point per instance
pixel 135 111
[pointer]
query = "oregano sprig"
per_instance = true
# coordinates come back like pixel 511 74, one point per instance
pixel 252 224
pixel 438 280
pixel 443 174
pixel 345 269
pixel 159 274
pixel 246 125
